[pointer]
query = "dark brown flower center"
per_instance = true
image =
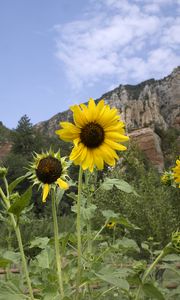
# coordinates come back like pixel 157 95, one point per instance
pixel 92 135
pixel 49 170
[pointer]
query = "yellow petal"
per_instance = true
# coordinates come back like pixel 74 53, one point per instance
pixel 67 135
pixel 112 135
pixel 76 152
pixel 62 184
pixel 70 126
pixel 117 127
pixel 77 141
pixel 115 145
pixel 98 160
pixel 46 189
pixel 79 118
pixel 92 109
pixel 88 161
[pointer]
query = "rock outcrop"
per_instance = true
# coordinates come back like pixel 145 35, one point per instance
pixel 150 143
pixel 152 103
pixel 5 149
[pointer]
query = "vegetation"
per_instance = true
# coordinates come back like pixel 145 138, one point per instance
pixel 129 228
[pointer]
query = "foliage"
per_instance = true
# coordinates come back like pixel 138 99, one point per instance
pixel 156 210
pixel 170 144
pixel 109 265
pixel 5 133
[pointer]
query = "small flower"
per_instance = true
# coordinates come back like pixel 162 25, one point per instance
pixel 175 240
pixel 176 172
pixel 48 170
pixel 111 224
pixel 3 172
pixel 97 133
pixel 167 178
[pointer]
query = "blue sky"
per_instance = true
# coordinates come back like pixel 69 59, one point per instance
pixel 55 53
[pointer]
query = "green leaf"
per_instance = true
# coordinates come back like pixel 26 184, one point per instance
pixel 88 213
pixel 21 202
pixel 110 214
pixel 119 183
pixel 40 242
pixel 126 223
pixel 13 184
pixel 126 244
pixel 151 291
pixel 14 257
pixel 4 262
pixel 9 291
pixel 171 257
pixel 115 280
pixel 45 258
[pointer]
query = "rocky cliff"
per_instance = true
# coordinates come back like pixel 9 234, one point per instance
pixel 152 103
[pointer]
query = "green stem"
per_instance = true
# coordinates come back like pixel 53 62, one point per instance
pixel 18 235
pixel 98 233
pixel 20 244
pixel 148 271
pixel 78 227
pixel 89 241
pixel 57 248
pixel 114 232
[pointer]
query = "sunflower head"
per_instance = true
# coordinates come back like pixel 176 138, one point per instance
pixel 176 172
pixel 48 170
pixel 111 224
pixel 97 133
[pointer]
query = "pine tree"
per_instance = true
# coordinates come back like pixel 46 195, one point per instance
pixel 23 137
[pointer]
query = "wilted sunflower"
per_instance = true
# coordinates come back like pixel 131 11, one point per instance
pixel 96 133
pixel 176 172
pixel 49 169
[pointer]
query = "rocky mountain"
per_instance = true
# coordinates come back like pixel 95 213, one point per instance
pixel 152 103
pixel 146 108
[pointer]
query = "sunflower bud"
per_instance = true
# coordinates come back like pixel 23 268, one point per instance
pixel 139 267
pixel 175 240
pixel 3 172
pixel 167 178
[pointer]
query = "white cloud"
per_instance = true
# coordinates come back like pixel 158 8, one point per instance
pixel 123 39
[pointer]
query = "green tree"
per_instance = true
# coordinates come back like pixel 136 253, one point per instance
pixel 23 137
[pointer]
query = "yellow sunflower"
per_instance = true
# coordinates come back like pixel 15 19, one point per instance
pixel 111 224
pixel 49 169
pixel 176 172
pixel 96 133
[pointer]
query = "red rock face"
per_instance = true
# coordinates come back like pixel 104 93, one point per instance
pixel 5 148
pixel 149 142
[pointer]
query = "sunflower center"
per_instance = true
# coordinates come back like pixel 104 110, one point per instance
pixel 92 135
pixel 49 170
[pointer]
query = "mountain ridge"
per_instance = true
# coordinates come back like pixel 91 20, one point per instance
pixel 151 103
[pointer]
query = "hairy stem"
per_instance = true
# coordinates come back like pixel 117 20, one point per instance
pixel 57 248
pixel 78 227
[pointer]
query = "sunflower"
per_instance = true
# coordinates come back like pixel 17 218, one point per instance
pixel 176 172
pixel 96 133
pixel 111 224
pixel 49 170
